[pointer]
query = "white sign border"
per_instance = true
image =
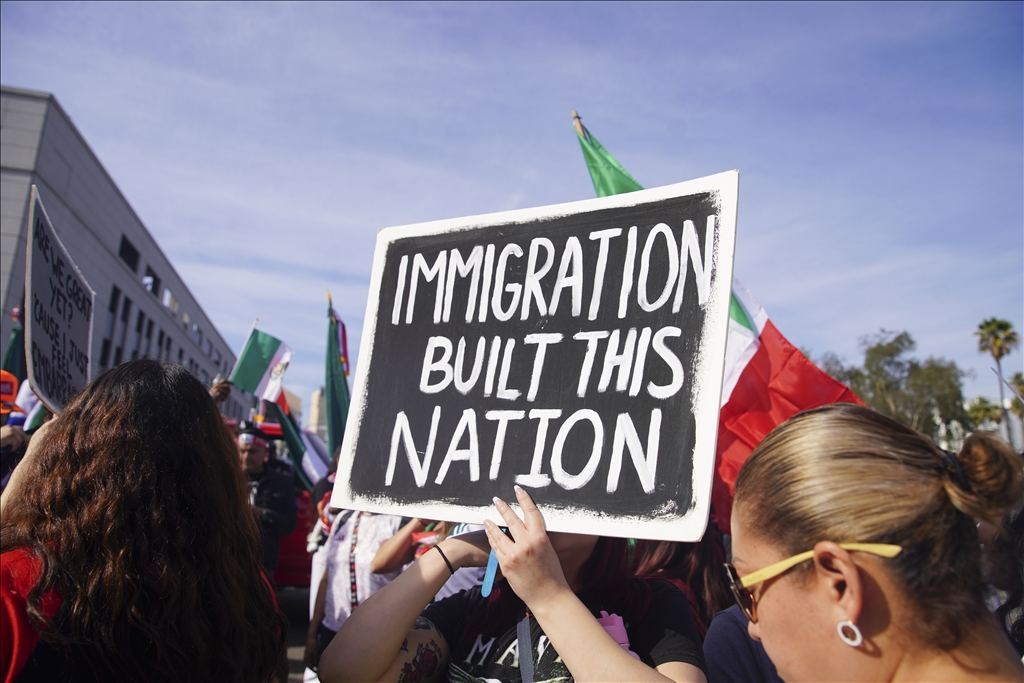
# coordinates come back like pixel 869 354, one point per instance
pixel 706 403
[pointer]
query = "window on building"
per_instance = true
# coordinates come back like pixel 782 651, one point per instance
pixel 129 254
pixel 139 326
pixel 149 339
pixel 170 301
pixel 185 319
pixel 216 357
pixel 181 356
pixel 208 348
pixel 108 331
pixel 167 350
pixel 151 282
pixel 197 334
pixel 104 353
pixel 122 330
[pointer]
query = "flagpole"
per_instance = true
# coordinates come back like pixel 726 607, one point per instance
pixel 239 356
pixel 577 123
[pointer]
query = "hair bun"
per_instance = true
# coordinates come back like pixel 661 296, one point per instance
pixel 994 476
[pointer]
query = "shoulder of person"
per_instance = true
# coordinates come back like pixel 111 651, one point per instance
pixel 663 589
pixel 19 569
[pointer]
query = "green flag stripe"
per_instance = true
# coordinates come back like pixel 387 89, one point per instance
pixel 296 449
pixel 336 397
pixel 739 314
pixel 254 361
pixel 607 174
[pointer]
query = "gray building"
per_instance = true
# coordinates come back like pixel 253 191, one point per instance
pixel 143 307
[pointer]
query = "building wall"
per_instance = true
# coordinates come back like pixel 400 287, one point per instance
pixel 143 308
pixel 317 414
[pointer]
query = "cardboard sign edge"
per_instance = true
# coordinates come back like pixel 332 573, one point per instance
pixel 690 524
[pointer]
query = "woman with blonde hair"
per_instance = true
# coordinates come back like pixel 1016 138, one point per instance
pixel 856 553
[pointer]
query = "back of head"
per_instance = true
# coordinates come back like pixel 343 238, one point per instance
pixel 138 511
pixel 846 473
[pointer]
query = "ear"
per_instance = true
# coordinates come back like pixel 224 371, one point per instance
pixel 839 578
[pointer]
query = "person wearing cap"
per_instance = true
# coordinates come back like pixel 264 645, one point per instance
pixel 270 493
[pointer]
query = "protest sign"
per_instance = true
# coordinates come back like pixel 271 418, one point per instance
pixel 58 330
pixel 576 350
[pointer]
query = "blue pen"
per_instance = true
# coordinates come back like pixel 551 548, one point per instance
pixel 492 569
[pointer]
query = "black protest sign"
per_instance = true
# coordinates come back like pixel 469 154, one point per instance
pixel 575 350
pixel 58 335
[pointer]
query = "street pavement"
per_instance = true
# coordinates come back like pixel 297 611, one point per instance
pixel 294 603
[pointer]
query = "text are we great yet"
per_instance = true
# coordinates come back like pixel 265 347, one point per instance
pixel 605 303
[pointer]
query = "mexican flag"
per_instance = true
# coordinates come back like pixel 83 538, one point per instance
pixel 336 395
pixel 308 468
pixel 260 367
pixel 767 380
pixel 607 174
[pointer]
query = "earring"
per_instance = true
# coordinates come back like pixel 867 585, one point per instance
pixel 849 632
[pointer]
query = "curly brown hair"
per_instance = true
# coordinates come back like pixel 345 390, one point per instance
pixel 138 513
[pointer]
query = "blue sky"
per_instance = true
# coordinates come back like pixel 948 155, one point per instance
pixel 880 145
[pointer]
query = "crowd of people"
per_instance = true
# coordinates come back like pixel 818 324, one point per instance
pixel 139 541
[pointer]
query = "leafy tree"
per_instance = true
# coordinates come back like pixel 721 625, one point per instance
pixel 926 395
pixel 982 409
pixel 1017 382
pixel 997 337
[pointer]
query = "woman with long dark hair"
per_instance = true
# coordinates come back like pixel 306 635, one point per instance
pixel 129 549
pixel 570 609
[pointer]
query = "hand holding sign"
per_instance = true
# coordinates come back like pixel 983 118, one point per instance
pixel 529 563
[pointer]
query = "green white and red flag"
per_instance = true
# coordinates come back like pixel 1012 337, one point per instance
pixel 767 380
pixel 260 367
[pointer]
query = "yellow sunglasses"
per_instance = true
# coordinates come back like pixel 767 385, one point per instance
pixel 740 586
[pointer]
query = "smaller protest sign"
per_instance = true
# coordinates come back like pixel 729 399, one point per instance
pixel 575 350
pixel 58 330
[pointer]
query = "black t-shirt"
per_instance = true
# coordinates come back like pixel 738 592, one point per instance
pixel 732 655
pixel 667 633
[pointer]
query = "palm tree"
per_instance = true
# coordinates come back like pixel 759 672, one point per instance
pixel 997 337
pixel 982 410
pixel 1017 382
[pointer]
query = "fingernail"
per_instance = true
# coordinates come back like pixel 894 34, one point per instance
pixel 497 501
pixel 517 488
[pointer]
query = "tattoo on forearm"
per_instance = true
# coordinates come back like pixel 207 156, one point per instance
pixel 405 646
pixel 423 665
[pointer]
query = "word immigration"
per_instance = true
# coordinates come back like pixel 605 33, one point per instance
pixel 571 353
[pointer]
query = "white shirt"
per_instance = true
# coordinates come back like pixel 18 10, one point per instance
pixel 355 543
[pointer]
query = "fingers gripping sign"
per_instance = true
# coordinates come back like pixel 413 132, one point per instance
pixel 527 559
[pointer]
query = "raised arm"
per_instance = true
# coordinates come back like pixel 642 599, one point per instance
pixel 534 572
pixel 385 636
pixel 395 552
